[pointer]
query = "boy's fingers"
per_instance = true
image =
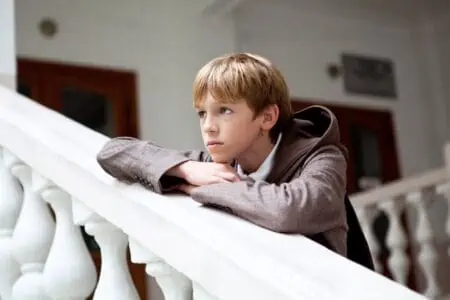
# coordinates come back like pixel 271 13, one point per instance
pixel 228 176
pixel 186 188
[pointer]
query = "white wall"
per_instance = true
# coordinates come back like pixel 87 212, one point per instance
pixel 442 38
pixel 166 42
pixel 302 39
pixel 7 44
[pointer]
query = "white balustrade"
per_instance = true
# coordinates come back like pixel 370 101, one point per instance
pixel 420 192
pixel 194 253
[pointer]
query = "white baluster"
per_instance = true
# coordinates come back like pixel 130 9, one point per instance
pixel 10 203
pixel 115 281
pixel 428 257
pixel 396 240
pixel 69 272
pixel 173 284
pixel 32 236
pixel 366 216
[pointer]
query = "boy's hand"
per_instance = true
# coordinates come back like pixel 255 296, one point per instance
pixel 186 188
pixel 204 173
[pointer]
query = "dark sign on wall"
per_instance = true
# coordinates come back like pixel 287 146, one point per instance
pixel 369 75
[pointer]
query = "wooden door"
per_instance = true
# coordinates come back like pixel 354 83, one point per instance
pixel 101 99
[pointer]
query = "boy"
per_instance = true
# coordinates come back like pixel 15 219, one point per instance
pixel 282 171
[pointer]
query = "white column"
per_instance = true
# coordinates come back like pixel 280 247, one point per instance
pixel 32 236
pixel 115 280
pixel 7 44
pixel 396 239
pixel 173 284
pixel 69 272
pixel 428 256
pixel 10 203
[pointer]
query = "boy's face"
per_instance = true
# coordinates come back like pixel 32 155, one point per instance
pixel 228 130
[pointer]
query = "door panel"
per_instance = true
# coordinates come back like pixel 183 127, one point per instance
pixel 89 108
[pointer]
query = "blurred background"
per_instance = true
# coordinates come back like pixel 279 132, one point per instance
pixel 126 68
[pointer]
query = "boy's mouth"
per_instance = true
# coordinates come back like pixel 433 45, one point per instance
pixel 212 144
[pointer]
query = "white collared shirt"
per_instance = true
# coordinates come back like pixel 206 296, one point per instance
pixel 265 167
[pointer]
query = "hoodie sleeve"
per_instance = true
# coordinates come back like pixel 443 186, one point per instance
pixel 311 203
pixel 132 160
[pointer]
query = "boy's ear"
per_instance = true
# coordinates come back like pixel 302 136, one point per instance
pixel 270 117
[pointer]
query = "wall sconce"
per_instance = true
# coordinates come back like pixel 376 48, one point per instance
pixel 334 70
pixel 48 27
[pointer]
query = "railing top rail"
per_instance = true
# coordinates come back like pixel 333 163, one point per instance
pixel 400 187
pixel 227 256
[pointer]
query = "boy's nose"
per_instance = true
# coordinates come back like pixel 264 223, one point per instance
pixel 209 125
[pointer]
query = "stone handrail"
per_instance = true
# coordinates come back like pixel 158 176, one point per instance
pixel 437 177
pixel 192 251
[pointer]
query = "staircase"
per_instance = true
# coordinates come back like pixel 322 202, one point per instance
pixel 51 185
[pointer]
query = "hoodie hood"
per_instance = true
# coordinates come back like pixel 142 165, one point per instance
pixel 310 129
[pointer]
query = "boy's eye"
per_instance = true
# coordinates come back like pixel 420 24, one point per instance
pixel 201 113
pixel 225 110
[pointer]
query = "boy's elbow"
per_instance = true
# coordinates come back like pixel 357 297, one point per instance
pixel 111 148
pixel 102 159
pixel 108 157
pixel 105 153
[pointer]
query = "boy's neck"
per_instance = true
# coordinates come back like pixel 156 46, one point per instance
pixel 252 159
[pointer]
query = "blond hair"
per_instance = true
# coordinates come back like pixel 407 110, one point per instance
pixel 244 76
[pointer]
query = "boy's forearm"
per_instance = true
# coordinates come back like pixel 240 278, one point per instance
pixel 311 203
pixel 134 160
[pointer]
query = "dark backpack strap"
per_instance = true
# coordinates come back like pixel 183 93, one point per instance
pixel 320 238
pixel 357 248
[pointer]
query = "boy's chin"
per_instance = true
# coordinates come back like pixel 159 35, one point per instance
pixel 220 159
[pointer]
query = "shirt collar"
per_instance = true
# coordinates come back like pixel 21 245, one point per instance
pixel 266 166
